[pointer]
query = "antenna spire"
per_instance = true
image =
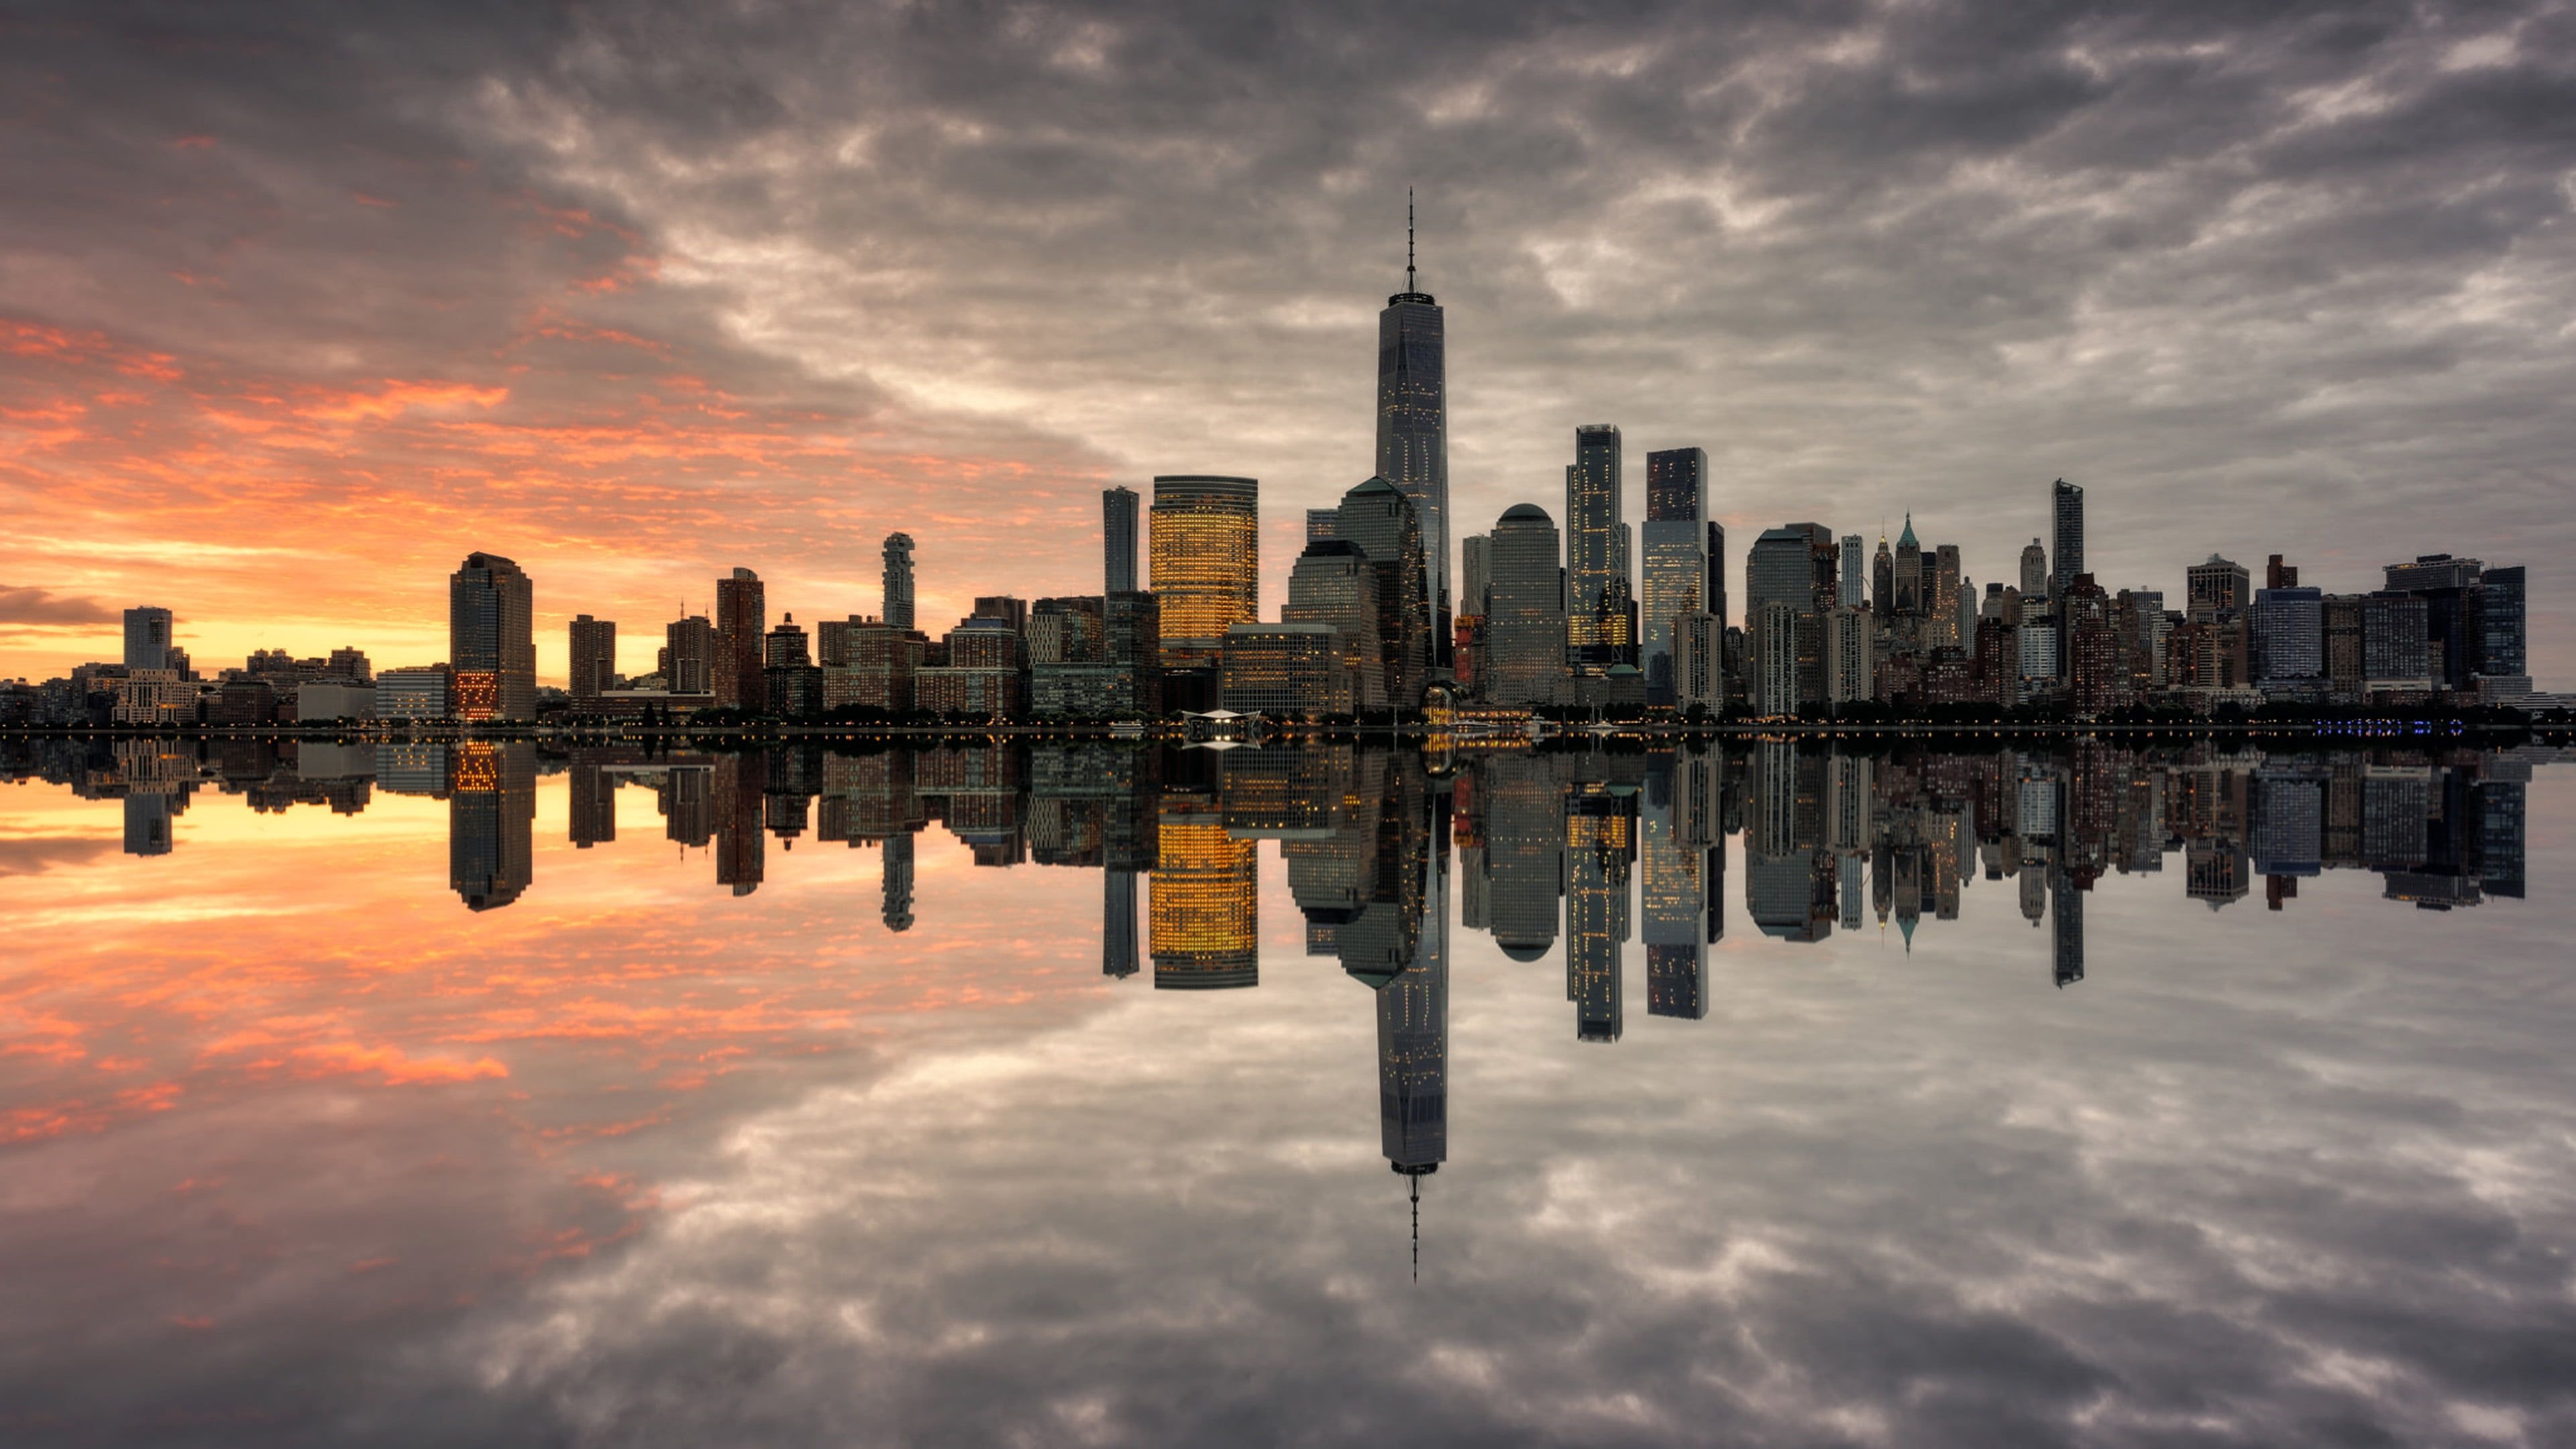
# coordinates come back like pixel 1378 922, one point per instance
pixel 1417 1229
pixel 1408 239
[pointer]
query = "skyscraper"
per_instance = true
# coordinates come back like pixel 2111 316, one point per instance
pixel 594 657
pixel 1118 538
pixel 1713 598
pixel 1676 557
pixel 2066 508
pixel 1855 572
pixel 1591 538
pixel 491 639
pixel 2034 571
pixel 689 656
pixel 1525 626
pixel 1413 424
pixel 1783 620
pixel 147 638
pixel 1205 541
pixel 1378 520
pixel 742 619
pixel 898 577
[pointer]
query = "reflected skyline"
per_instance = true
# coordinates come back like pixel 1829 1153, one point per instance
pixel 907 1056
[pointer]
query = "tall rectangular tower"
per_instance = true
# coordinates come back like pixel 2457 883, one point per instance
pixel 2066 559
pixel 147 638
pixel 1204 539
pixel 491 639
pixel 594 657
pixel 1676 558
pixel 742 610
pixel 1591 533
pixel 1413 422
pixel 1118 538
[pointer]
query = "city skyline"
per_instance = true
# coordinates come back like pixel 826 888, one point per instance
pixel 588 370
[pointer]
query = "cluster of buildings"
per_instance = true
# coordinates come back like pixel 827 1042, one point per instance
pixel 1600 614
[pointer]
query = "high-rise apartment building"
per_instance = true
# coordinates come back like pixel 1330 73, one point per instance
pixel 1118 539
pixel 491 639
pixel 2289 637
pixel 1676 559
pixel 1413 425
pixel 689 655
pixel 147 638
pixel 1855 572
pixel 1592 562
pixel 2066 514
pixel 594 657
pixel 1525 620
pixel 742 620
pixel 897 607
pixel 1204 535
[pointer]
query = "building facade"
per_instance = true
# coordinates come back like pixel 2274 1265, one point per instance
pixel 491 640
pixel 1204 536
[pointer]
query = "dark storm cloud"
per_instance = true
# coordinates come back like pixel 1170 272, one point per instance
pixel 2293 278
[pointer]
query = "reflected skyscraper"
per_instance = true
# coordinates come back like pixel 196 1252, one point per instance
pixel 896 883
pixel 2065 923
pixel 491 821
pixel 147 823
pixel 1675 891
pixel 1203 900
pixel 1600 841
pixel 1524 852
pixel 1118 923
pixel 741 848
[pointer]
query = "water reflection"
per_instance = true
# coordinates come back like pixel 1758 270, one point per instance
pixel 2300 1188
pixel 1544 839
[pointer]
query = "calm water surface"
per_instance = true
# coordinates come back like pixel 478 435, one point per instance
pixel 1109 1096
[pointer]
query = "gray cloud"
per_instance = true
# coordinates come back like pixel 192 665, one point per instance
pixel 2292 279
pixel 22 604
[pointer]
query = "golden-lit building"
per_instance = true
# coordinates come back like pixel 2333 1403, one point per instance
pixel 1204 906
pixel 1205 552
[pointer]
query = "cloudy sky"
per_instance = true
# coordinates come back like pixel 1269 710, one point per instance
pixel 299 305
pixel 299 1151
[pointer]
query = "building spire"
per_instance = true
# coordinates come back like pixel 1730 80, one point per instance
pixel 1408 239
pixel 1417 1228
